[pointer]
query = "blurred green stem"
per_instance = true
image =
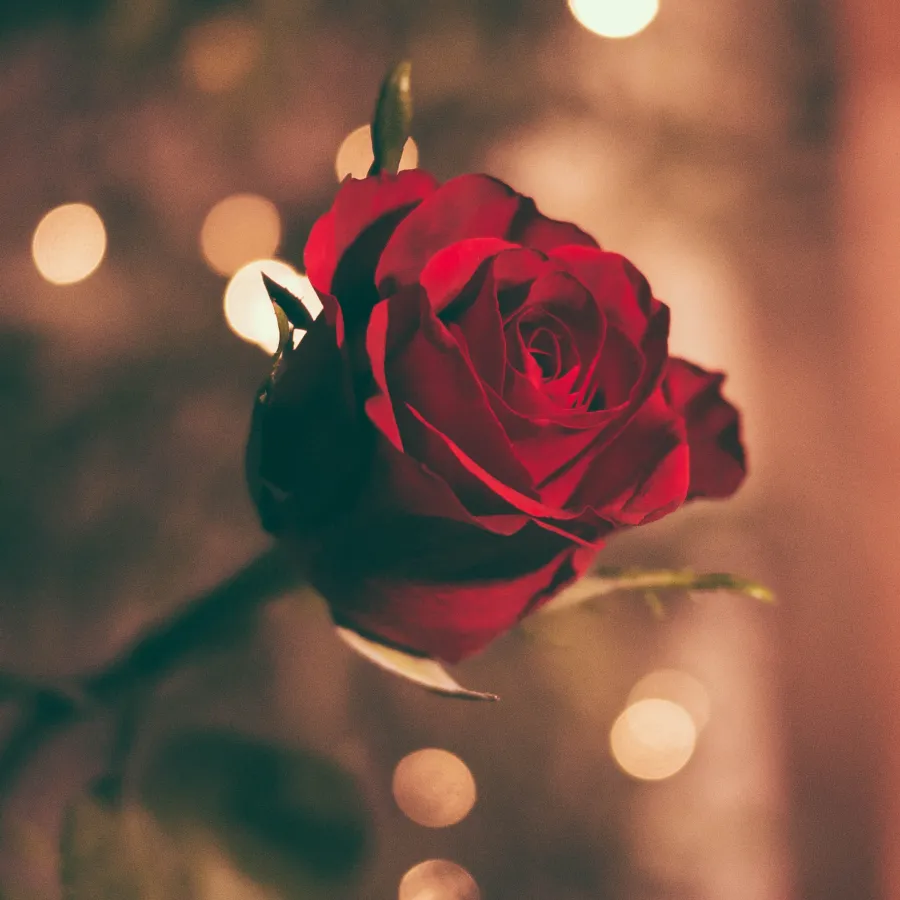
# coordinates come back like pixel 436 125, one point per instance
pixel 209 623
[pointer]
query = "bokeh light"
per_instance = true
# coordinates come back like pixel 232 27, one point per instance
pixel 438 879
pixel 69 243
pixel 219 53
pixel 677 686
pixel 653 739
pixel 248 309
pixel 354 156
pixel 434 788
pixel 614 18
pixel 238 230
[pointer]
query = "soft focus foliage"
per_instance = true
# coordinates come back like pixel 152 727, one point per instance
pixel 286 818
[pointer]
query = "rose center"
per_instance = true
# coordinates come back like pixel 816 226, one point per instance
pixel 543 345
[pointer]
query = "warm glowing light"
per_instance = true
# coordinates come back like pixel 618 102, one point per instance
pixel 434 788
pixel 653 739
pixel 69 243
pixel 248 309
pixel 219 53
pixel 438 879
pixel 239 229
pixel 614 18
pixel 354 156
pixel 680 688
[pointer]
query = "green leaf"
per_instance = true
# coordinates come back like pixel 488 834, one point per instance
pixel 607 581
pixel 420 670
pixel 392 120
pixel 287 819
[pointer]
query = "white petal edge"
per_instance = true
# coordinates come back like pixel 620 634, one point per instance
pixel 420 670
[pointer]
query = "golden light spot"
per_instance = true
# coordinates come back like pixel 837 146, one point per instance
pixel 69 243
pixel 653 739
pixel 614 18
pixel 219 53
pixel 354 156
pixel 239 229
pixel 434 788
pixel 248 309
pixel 438 879
pixel 680 688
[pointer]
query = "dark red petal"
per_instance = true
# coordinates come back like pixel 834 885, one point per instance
pixel 344 245
pixel 514 272
pixel 427 371
pixel 448 621
pixel 320 255
pixel 469 206
pixel 479 328
pixel 549 446
pixel 718 461
pixel 400 485
pixel 320 469
pixel 617 287
pixel 450 270
pixel 563 297
pixel 615 374
pixel 439 445
pixel 641 475
pixel 379 407
pixel 531 228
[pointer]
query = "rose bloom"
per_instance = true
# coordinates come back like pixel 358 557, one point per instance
pixel 486 397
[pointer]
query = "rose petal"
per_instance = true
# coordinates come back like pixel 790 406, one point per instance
pixel 544 515
pixel 345 244
pixel 320 469
pixel 479 329
pixel 557 295
pixel 515 271
pixel 639 476
pixel 615 374
pixel 618 288
pixel 426 370
pixel 531 228
pixel 447 621
pixel 401 485
pixel 469 206
pixel 448 272
pixel 718 462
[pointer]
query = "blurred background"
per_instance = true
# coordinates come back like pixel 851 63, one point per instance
pixel 743 154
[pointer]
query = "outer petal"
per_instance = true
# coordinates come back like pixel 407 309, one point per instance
pixel 531 228
pixel 448 619
pixel 469 206
pixel 317 471
pixel 718 461
pixel 344 245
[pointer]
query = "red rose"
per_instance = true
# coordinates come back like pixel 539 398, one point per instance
pixel 485 398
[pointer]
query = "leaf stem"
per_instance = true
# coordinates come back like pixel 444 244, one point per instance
pixel 608 580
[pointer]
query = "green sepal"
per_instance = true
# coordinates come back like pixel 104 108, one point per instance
pixel 289 311
pixel 291 307
pixel 392 120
